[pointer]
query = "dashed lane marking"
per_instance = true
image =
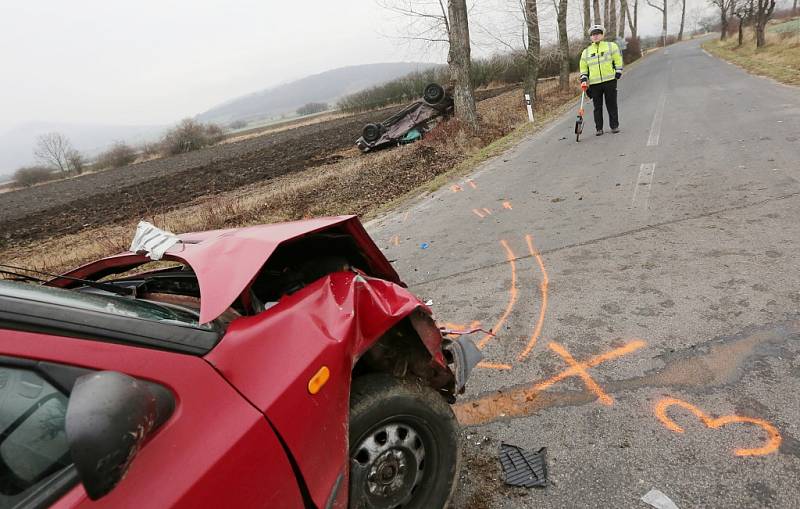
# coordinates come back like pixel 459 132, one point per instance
pixel 644 182
pixel 655 127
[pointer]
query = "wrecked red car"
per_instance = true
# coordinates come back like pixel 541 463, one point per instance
pixel 271 366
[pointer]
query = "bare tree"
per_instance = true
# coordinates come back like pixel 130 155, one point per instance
pixel 563 44
pixel 434 23
pixel 533 50
pixel 633 21
pixel 726 8
pixel 683 19
pixel 762 12
pixel 623 11
pixel 459 60
pixel 612 19
pixel 605 12
pixel 51 150
pixel 587 21
pixel 597 19
pixel 743 11
pixel 663 9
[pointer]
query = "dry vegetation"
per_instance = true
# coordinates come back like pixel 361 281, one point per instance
pixel 779 59
pixel 355 184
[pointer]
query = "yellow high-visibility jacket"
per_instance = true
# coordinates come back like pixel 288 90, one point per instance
pixel 600 61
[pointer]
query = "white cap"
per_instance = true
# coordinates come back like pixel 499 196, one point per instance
pixel 594 28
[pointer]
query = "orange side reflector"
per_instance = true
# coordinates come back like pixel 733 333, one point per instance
pixel 319 380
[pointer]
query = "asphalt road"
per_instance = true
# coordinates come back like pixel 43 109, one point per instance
pixel 644 289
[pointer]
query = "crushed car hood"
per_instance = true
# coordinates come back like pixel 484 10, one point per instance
pixel 226 261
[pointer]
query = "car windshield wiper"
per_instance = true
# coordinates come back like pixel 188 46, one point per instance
pixel 111 288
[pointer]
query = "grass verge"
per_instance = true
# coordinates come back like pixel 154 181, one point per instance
pixel 779 59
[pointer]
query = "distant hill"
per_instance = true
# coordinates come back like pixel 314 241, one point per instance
pixel 324 87
pixel 16 145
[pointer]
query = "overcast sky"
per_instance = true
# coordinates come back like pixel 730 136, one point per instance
pixel 156 61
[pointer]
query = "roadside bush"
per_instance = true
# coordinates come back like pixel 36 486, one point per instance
pixel 31 175
pixel 633 51
pixel 120 154
pixel 75 162
pixel 190 135
pixel 237 124
pixel 311 108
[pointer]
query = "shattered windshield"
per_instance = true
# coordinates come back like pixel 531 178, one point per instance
pixel 106 303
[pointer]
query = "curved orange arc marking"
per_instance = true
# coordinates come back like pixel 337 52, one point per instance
pixel 537 331
pixel 512 296
pixel 773 435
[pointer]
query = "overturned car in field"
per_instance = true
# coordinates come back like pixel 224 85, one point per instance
pixel 281 365
pixel 410 123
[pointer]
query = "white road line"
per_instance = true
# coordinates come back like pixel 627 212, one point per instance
pixel 645 182
pixel 655 127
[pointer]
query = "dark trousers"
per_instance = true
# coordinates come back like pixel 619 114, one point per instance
pixel 607 89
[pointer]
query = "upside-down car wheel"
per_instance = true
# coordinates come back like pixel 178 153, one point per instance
pixel 433 93
pixel 371 132
pixel 404 448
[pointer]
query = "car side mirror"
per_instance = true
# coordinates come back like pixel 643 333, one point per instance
pixel 109 417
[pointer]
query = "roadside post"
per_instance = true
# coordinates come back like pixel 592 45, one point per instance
pixel 528 105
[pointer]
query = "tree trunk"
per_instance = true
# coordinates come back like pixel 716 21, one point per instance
pixel 587 21
pixel 605 13
pixel 723 25
pixel 563 43
pixel 761 38
pixel 459 61
pixel 596 5
pixel 741 31
pixel 612 20
pixel 533 51
pixel 623 10
pixel 794 8
pixel 633 21
pixel 664 24
pixel 683 18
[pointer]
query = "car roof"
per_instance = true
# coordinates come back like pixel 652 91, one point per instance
pixel 226 261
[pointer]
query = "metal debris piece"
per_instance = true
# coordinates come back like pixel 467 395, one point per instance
pixel 523 468
pixel 658 500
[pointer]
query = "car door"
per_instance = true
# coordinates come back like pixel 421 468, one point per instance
pixel 215 450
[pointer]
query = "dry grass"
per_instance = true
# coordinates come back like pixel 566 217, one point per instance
pixel 357 184
pixel 779 59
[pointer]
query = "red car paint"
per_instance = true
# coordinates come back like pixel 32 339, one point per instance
pixel 215 451
pixel 242 407
pixel 226 261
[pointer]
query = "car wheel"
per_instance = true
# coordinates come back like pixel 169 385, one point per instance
pixel 433 93
pixel 371 132
pixel 404 447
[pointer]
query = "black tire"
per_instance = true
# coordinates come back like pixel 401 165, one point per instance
pixel 433 93
pixel 371 132
pixel 404 446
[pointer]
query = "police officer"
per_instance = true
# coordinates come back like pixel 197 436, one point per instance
pixel 601 67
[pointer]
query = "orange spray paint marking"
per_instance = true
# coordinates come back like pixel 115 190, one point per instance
pixel 395 240
pixel 580 367
pixel 537 331
pixel 507 205
pixel 478 213
pixel 580 371
pixel 458 327
pixel 472 184
pixel 488 211
pixel 512 295
pixel 492 365
pixel 773 435
pixel 405 216
pixel 456 188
